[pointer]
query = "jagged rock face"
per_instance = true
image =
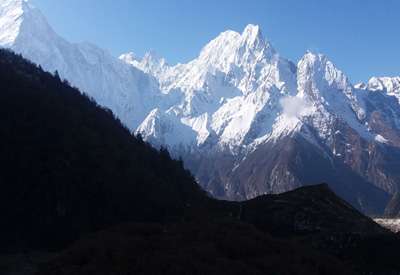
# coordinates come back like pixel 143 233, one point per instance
pixel 244 119
pixel 283 166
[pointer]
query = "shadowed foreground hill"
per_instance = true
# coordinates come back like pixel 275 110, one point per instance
pixel 200 248
pixel 307 210
pixel 69 168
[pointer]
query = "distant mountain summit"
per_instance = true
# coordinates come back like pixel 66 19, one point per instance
pixel 245 120
pixel 391 85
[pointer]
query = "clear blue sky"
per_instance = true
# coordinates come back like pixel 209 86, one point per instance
pixel 362 37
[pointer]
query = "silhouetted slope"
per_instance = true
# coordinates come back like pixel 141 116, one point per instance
pixel 307 210
pixel 68 166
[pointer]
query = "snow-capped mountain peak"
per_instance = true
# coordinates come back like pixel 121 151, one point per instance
pixel 130 58
pixel 390 85
pixel 319 80
pixel 231 49
pixel 252 33
pixel 10 20
pixel 151 63
pixel 17 16
pixel 329 90
pixel 322 71
pixel 252 38
pixel 229 95
pixel 220 52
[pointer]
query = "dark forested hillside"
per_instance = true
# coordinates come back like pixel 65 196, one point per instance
pixel 68 166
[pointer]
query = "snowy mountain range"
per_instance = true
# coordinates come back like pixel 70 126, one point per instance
pixel 245 120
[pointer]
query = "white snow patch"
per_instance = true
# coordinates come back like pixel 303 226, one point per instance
pixel 391 224
pixel 380 139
